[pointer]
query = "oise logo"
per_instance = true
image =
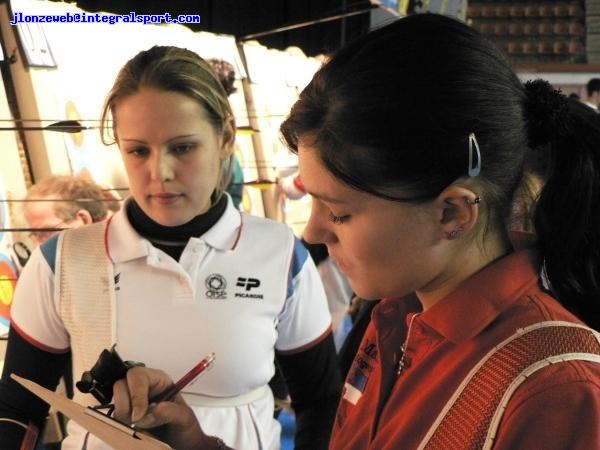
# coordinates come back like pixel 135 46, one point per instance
pixel 216 285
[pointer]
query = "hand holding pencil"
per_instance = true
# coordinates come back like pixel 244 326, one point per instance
pixel 148 399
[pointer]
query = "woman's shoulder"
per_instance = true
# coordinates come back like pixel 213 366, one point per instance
pixel 265 223
pixel 48 250
pixel 579 377
pixel 554 408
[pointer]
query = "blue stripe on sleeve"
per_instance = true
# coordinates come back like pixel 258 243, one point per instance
pixel 298 259
pixel 48 249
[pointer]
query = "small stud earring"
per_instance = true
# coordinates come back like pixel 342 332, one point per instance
pixel 475 201
pixel 454 233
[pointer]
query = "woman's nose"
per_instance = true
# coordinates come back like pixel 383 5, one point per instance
pixel 162 167
pixel 317 229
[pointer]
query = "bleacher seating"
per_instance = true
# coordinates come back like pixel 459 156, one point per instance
pixel 533 31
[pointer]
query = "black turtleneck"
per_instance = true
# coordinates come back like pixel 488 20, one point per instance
pixel 172 240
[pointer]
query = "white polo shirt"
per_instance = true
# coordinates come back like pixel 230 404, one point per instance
pixel 241 290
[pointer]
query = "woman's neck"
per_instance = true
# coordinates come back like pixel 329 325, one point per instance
pixel 172 240
pixel 464 263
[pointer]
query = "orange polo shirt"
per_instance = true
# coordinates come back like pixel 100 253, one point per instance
pixel 558 407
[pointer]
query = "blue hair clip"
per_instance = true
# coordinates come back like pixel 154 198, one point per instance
pixel 474 156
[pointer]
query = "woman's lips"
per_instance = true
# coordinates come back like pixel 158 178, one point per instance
pixel 165 198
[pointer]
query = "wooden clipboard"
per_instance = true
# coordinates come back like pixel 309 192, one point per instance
pixel 112 432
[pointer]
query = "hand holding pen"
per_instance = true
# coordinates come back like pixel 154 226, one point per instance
pixel 131 394
pixel 135 405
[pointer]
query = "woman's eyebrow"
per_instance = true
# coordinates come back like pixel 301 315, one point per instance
pixel 141 141
pixel 325 198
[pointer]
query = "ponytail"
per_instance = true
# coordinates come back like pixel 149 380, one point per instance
pixel 567 213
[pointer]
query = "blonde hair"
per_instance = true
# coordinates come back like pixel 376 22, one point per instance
pixel 172 69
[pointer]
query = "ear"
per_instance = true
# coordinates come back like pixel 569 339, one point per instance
pixel 459 211
pixel 85 216
pixel 228 139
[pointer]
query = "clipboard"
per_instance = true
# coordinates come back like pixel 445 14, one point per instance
pixel 111 431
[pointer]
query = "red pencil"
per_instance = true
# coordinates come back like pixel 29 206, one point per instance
pixel 170 393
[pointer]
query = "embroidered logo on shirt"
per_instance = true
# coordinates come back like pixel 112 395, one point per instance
pixel 248 284
pixel 355 385
pixel 359 373
pixel 216 284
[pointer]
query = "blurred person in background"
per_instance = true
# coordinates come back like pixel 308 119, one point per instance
pixel 226 74
pixel 60 202
pixel 592 90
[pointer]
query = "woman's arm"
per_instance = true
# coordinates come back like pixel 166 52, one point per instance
pixel 19 409
pixel 314 382
pixel 557 408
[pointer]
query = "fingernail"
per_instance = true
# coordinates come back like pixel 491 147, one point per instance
pixel 137 414
pixel 148 421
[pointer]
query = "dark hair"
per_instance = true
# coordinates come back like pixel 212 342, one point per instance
pixel 592 86
pixel 391 115
pixel 225 72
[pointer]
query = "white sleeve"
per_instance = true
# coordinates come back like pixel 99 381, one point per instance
pixel 338 290
pixel 305 317
pixel 34 311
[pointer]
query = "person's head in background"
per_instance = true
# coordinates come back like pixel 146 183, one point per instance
pixel 225 72
pixel 63 201
pixel 415 175
pixel 174 126
pixel 112 199
pixel 592 90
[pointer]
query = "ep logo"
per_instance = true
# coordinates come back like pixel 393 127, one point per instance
pixel 248 283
